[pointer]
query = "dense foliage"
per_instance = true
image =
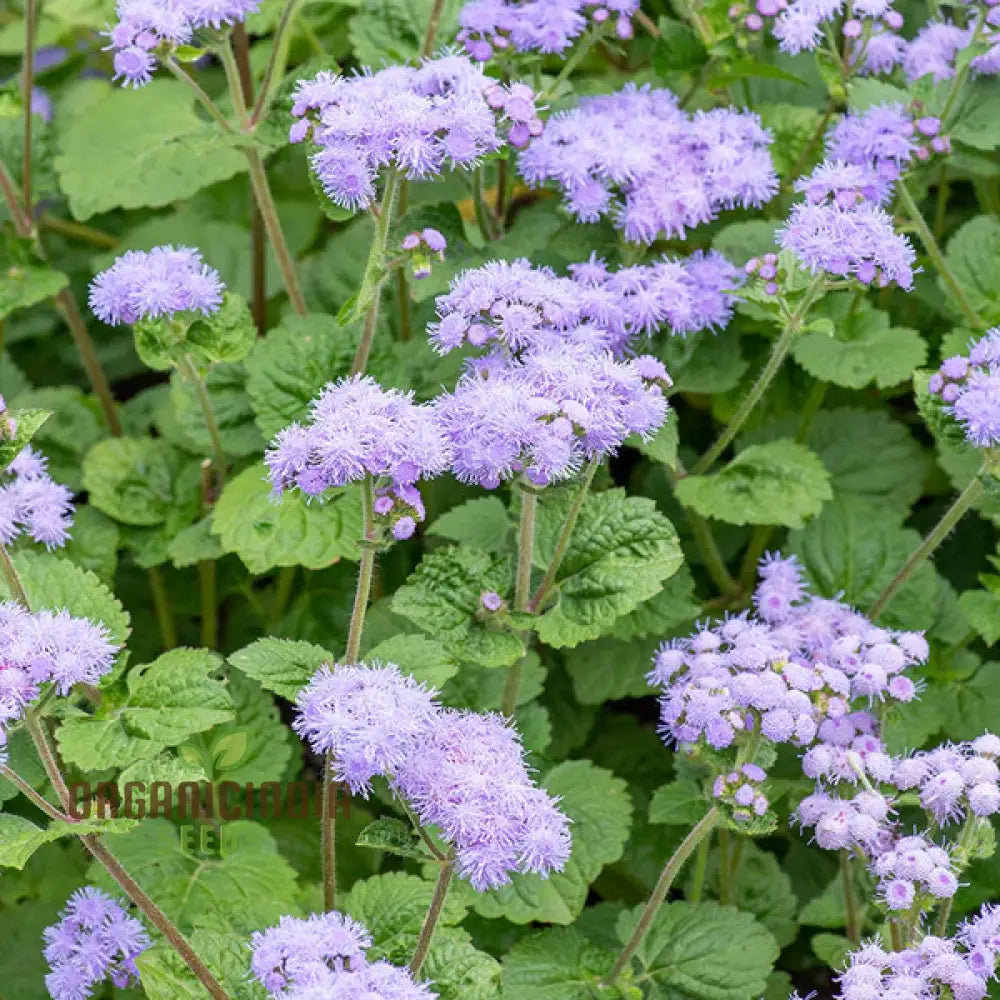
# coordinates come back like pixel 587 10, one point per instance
pixel 499 499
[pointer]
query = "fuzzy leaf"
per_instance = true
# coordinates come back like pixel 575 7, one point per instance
pixel 482 523
pixel 973 255
pixel 25 280
pixel 982 609
pixel 394 837
pixel 558 964
pixel 678 803
pixel 425 659
pixel 20 838
pixel 284 666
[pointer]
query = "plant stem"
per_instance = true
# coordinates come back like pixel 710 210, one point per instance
pixel 937 535
pixel 433 913
pixel 27 83
pixel 583 48
pixel 753 397
pixel 936 256
pixel 29 793
pixel 209 606
pixel 78 231
pixel 370 293
pixel 852 924
pixel 203 99
pixel 283 592
pixel 161 604
pixel 328 834
pixel 565 533
pixel 12 580
pixel 715 565
pixel 700 864
pixel 403 295
pixel 733 869
pixel 433 23
pixel 189 371
pixel 483 214
pixel 11 195
pixel 814 139
pixel 278 50
pixel 670 871
pixel 962 75
pixel 522 589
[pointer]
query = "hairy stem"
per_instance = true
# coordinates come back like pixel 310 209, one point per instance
pixel 935 537
pixel 433 913
pixel 565 533
pixel 328 834
pixel 522 589
pixel 203 99
pixel 12 579
pixel 700 865
pixel 33 796
pixel 190 372
pixel 670 871
pixel 161 605
pixel 279 47
pixel 753 397
pixel 370 293
pixel 936 256
pixel 28 83
pixel 852 923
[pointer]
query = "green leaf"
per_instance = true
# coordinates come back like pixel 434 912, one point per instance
pixel 425 659
pixel 703 951
pixel 287 368
pixel 225 335
pixel 662 447
pixel 482 523
pixel 678 49
pixel 392 31
pixel 25 424
pixel 20 838
pixel 173 152
pixel 25 279
pixel 289 532
pixel 557 964
pixel 457 970
pixel 674 605
pixel 621 551
pixel 778 483
pixel 442 598
pixel 678 803
pixel 982 610
pixel 973 256
pixel 703 362
pixel 832 949
pixel 194 544
pixel 284 666
pixel 139 481
pixel 977 123
pixel 863 349
pixel 598 803
pixel 226 385
pixel 167 701
pixel 395 837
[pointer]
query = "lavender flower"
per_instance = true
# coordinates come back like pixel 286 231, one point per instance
pixel 146 285
pixel 469 780
pixel 148 28
pixel 546 26
pixel 858 242
pixel 800 24
pixel 935 50
pixel 914 865
pixel 740 790
pixel 547 413
pixel 370 717
pixel 421 247
pixel 31 503
pixel 418 120
pixel 969 389
pixel 95 939
pixel 636 157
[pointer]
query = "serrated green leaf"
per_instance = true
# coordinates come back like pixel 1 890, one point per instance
pixel 284 666
pixel 482 523
pixel 678 803
pixel 832 949
pixel 678 49
pixel 662 447
pixel 172 151
pixel 621 551
pixel 673 606
pixel 19 427
pixel 703 951
pixel 982 610
pixel 392 31
pixel 20 838
pixel 225 335
pixel 395 837
pixel 973 257
pixel 598 803
pixel 557 964
pixel 457 970
pixel 194 544
pixel 442 597
pixel 703 362
pixel 778 483
pixel 424 659
pixel 266 533
pixel 25 280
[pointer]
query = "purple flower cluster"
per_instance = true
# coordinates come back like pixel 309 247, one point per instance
pixel 799 25
pixel 656 171
pixel 914 865
pixel 547 413
pixel 324 955
pixel 420 247
pixel 960 967
pixel 969 388
pixel 46 647
pixel 357 429
pixel 741 791
pixel 468 779
pixel 954 781
pixel 522 307
pixel 95 939
pixel 461 772
pixel 32 503
pixel 419 120
pixel 838 823
pixel 546 26
pixel 936 49
pixel 146 28
pixel 161 282
pixel 371 718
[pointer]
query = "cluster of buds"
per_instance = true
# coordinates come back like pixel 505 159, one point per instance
pixel 740 790
pixel 756 14
pixel 402 507
pixel 929 129
pixel 517 103
pixel 422 247
pixel 766 268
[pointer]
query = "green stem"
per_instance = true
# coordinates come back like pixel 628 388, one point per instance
pixel 700 866
pixel 565 533
pixel 433 24
pixel 209 604
pixel 937 535
pixel 328 834
pixel 279 49
pixel 11 195
pixel 941 202
pixel 12 579
pixel 370 293
pixel 484 217
pixel 753 397
pixel 580 53
pixel 522 589
pixel 936 256
pixel 962 75
pixel 161 604
pixel 733 872
pixel 203 99
pixel 433 913
pixel 283 592
pixel 852 923
pixel 32 795
pixel 189 371
pixel 708 548
pixel 234 84
pixel 670 871
pixel 78 231
pixel 27 83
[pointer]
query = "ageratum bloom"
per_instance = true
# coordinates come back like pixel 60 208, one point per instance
pixel 94 940
pixel 937 46
pixel 420 120
pixel 146 28
pixel 655 171
pixel 370 717
pixel 522 307
pixel 969 388
pixel 547 413
pixel 546 26
pixel 800 24
pixel 161 282
pixel 468 778
pixel 32 503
